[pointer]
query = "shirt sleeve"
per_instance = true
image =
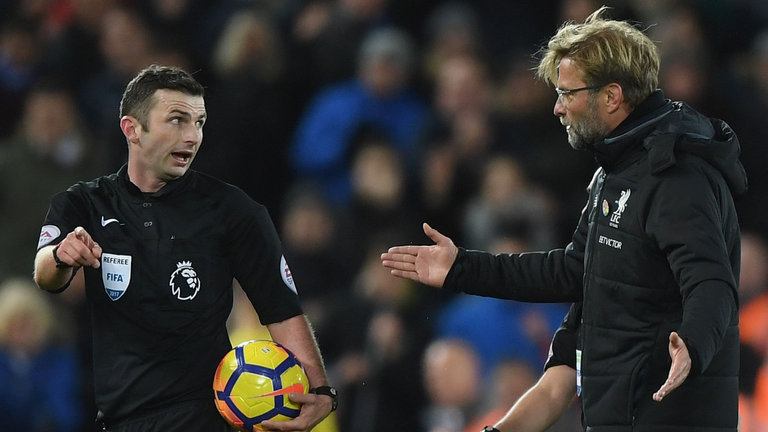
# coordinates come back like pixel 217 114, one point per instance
pixel 260 267
pixel 65 213
pixel 562 350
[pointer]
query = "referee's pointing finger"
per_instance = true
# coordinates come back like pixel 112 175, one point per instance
pixel 82 235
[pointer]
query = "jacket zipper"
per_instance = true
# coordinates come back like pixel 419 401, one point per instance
pixel 588 246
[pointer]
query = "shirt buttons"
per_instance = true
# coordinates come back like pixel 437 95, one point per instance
pixel 146 205
pixel 147 224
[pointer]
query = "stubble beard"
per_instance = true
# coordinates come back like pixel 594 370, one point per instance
pixel 583 134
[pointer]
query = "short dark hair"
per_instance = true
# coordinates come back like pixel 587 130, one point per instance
pixel 138 96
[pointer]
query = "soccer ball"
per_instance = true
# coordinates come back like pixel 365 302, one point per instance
pixel 252 384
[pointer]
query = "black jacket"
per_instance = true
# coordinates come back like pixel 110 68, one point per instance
pixel 657 250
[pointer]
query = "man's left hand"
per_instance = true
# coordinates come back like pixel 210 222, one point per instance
pixel 681 366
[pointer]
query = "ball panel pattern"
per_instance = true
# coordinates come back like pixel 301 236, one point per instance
pixel 252 383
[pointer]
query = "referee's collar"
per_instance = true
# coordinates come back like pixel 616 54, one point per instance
pixel 134 191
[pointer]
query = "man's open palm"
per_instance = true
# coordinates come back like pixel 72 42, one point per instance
pixel 680 368
pixel 425 264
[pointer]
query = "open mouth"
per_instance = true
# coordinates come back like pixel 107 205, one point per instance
pixel 182 157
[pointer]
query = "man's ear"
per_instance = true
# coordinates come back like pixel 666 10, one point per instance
pixel 131 128
pixel 614 97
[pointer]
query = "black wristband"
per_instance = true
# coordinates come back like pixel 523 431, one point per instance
pixel 490 429
pixel 327 391
pixel 59 263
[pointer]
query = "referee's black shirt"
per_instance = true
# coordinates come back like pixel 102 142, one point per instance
pixel 160 300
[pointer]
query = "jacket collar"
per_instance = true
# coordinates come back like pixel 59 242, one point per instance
pixel 630 132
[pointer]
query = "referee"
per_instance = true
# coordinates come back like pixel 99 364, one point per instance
pixel 160 245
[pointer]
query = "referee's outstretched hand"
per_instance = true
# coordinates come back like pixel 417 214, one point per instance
pixel 425 264
pixel 79 249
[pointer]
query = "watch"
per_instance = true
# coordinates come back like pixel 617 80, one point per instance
pixel 328 391
pixel 59 263
pixel 490 429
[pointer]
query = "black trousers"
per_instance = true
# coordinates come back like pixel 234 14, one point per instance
pixel 191 416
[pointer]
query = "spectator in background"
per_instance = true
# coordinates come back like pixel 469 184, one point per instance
pixel 21 53
pixel 523 106
pixel 39 372
pixel 753 293
pixel 753 326
pixel 508 27
pixel 253 124
pixel 453 379
pixel 686 75
pixel 378 99
pixel 499 329
pixel 325 39
pixel 379 197
pixel 749 99
pixel 686 71
pixel 543 406
pixel 249 48
pixel 577 10
pixel 73 53
pixel 320 264
pixel 509 380
pixel 506 198
pixel 49 152
pixel 502 329
pixel 191 24
pixel 451 30
pixel 100 95
pixel 381 328
pixel 310 233
pixel 460 134
pixel 753 390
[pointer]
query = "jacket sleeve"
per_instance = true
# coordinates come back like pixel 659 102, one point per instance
pixel 562 350
pixel 541 277
pixel 692 220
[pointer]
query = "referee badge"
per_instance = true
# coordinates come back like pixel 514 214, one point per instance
pixel 48 234
pixel 116 274
pixel 285 273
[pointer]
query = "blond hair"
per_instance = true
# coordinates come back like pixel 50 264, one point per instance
pixel 607 51
pixel 249 43
pixel 22 298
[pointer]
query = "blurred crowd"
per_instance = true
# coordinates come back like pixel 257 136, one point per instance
pixel 354 121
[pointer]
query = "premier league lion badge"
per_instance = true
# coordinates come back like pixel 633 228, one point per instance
pixel 184 281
